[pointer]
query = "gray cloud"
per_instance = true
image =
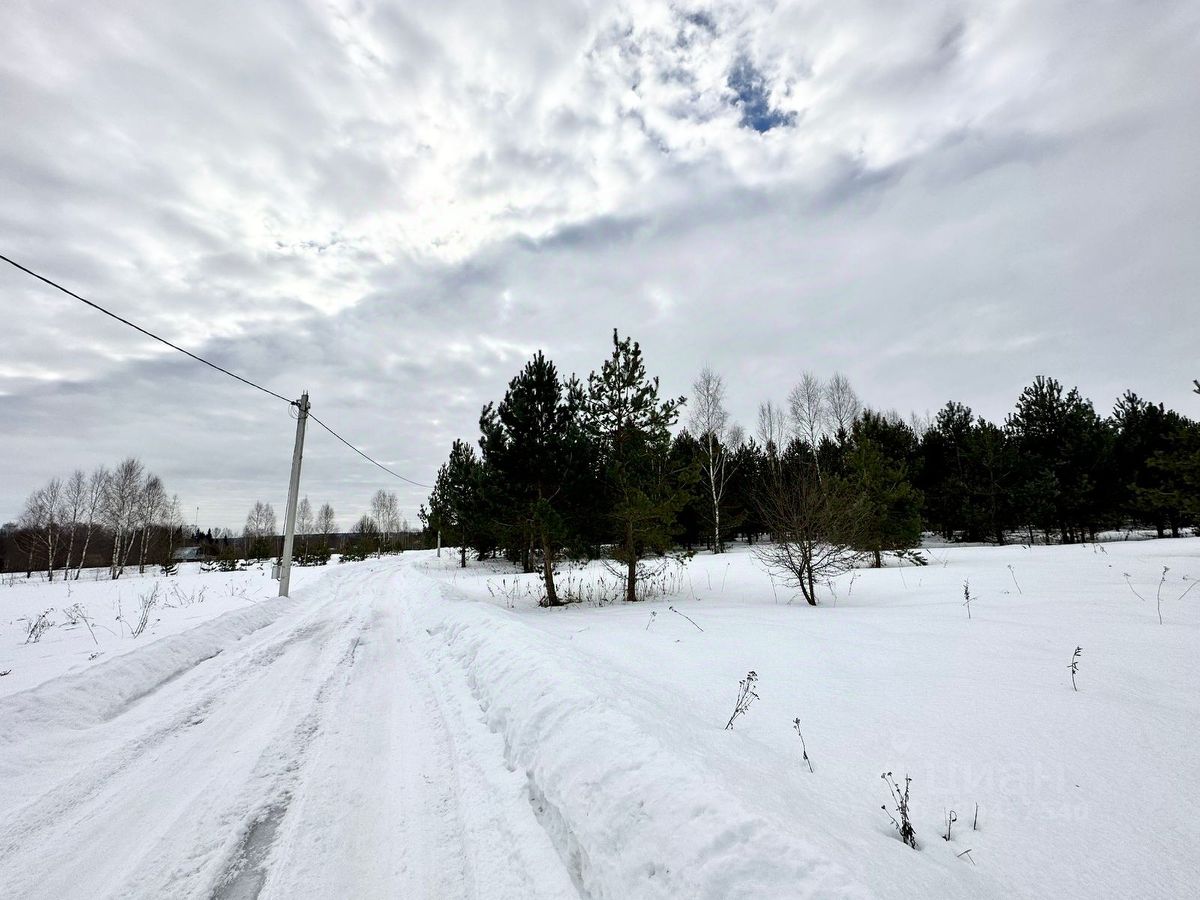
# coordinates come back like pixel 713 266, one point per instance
pixel 393 210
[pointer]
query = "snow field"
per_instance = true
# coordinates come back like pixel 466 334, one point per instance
pixel 1081 793
pixel 394 729
pixel 182 602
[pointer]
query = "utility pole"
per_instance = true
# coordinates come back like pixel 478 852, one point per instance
pixel 289 521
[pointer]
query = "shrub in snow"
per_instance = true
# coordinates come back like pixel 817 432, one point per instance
pixel 355 552
pixel 76 614
pixel 229 561
pixel 904 823
pixel 314 556
pixel 815 526
pixel 146 605
pixel 745 697
pixel 967 598
pixel 39 626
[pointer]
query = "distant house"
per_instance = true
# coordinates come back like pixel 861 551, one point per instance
pixel 187 554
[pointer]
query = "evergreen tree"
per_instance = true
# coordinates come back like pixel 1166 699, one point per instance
pixel 966 476
pixel 1175 476
pixel 1145 437
pixel 454 505
pixel 686 458
pixel 992 466
pixel 538 462
pixel 1067 464
pixel 890 507
pixel 944 480
pixel 631 429
pixel 751 466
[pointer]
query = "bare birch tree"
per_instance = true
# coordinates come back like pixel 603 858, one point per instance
pixel 40 518
pixel 842 403
pixel 304 523
pixel 259 530
pixel 772 429
pixel 74 506
pixel 95 497
pixel 151 503
pixel 385 510
pixel 173 523
pixel 709 423
pixel 326 523
pixel 810 413
pixel 122 495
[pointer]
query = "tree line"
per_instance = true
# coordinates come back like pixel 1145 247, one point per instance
pixel 570 468
pixel 118 517
pixel 122 516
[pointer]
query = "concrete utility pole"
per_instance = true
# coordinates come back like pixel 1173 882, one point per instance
pixel 289 521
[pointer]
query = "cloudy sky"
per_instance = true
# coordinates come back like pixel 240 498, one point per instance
pixel 393 204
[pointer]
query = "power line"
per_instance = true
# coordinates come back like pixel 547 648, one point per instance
pixel 364 456
pixel 150 334
pixel 211 365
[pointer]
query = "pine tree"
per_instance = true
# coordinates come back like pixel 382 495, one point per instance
pixel 454 503
pixel 686 457
pixel 1067 464
pixel 1175 472
pixel 537 460
pixel 1147 438
pixel 890 507
pixel 630 426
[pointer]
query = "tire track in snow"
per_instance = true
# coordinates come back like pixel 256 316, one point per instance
pixel 186 730
pixel 246 869
pixel 326 753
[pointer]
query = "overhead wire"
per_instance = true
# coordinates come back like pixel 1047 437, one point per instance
pixel 150 334
pixel 209 363
pixel 365 456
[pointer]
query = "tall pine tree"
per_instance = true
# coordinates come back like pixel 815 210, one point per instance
pixel 538 461
pixel 631 428
pixel 454 504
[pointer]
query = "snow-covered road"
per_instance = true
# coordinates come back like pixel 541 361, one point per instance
pixel 301 748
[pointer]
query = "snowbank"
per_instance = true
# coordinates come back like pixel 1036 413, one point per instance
pixel 100 693
pixel 631 816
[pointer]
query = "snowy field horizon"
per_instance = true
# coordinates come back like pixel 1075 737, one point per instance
pixel 402 726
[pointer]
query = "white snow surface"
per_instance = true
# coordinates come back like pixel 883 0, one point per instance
pixel 404 728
